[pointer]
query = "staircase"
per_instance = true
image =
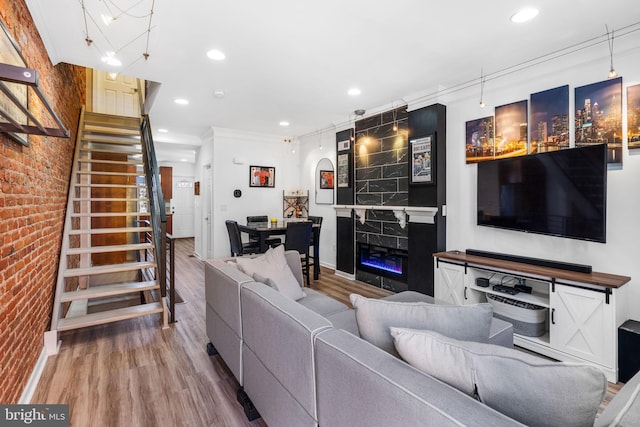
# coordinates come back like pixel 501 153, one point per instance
pixel 107 268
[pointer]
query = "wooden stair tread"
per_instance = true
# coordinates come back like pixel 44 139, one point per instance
pixel 105 139
pixel 109 150
pixel 107 214
pixel 110 248
pixel 111 199
pixel 112 162
pixel 100 291
pixel 112 185
pixel 111 230
pixel 105 173
pixel 104 119
pixel 111 268
pixel 109 316
pixel 110 129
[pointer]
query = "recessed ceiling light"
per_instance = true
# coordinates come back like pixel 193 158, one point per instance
pixel 163 130
pixel 181 101
pixel 216 55
pixel 284 123
pixel 354 91
pixel 218 93
pixel 524 15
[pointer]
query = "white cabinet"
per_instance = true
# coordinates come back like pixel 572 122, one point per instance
pixel 584 310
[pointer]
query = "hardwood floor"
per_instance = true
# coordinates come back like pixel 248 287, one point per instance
pixel 133 373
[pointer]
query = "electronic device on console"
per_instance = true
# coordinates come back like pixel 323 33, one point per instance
pixel 506 289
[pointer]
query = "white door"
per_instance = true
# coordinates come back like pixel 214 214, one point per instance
pixel 183 206
pixel 207 214
pixel 115 94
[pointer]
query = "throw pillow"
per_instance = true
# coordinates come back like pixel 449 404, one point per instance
pixel 375 317
pixel 530 389
pixel 273 265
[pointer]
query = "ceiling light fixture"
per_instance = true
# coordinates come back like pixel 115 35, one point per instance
pixel 107 19
pixel 110 59
pixel 285 123
pixel 354 91
pixel 216 55
pixel 218 93
pixel 163 130
pixel 524 15
pixel 612 71
pixel 181 101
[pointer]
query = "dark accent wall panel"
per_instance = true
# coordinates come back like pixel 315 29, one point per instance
pixel 345 195
pixel 425 239
pixel 345 245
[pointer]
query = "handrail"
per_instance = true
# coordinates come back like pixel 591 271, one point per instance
pixel 156 202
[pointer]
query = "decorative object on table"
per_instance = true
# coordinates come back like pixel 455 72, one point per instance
pixel 262 176
pixel 549 118
pixel 326 179
pixel 422 168
pixel 479 145
pixel 598 118
pixel 511 138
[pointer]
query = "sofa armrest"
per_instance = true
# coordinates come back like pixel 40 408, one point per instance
pixel 293 259
pixel 624 408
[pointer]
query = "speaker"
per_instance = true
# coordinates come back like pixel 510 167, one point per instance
pixel 628 350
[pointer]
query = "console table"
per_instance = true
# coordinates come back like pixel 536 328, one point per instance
pixel 584 309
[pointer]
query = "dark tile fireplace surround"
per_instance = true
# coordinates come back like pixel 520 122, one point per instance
pixel 374 249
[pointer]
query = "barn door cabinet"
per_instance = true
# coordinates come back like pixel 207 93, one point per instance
pixel 584 310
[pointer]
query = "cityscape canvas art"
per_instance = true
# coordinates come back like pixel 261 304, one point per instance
pixel 511 135
pixel 549 120
pixel 633 116
pixel 479 144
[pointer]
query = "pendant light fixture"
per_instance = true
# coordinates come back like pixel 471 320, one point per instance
pixel 612 71
pixel 482 104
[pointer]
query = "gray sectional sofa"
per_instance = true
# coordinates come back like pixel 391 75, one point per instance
pixel 303 363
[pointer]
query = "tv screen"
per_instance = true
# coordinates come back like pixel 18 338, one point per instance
pixel 559 193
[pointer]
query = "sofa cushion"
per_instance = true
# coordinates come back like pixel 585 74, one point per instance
pixel 321 303
pixel 375 317
pixel 624 408
pixel 273 265
pixel 530 389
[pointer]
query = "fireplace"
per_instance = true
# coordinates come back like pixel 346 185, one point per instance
pixel 386 262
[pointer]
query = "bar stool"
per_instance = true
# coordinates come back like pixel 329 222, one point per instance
pixel 235 241
pixel 297 238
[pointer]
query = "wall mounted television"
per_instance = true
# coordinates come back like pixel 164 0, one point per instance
pixel 559 193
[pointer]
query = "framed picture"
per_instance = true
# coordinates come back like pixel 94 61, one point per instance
pixel 511 134
pixel 633 116
pixel 326 180
pixel 10 54
pixel 479 141
pixel 598 118
pixel 422 167
pixel 549 119
pixel 262 176
pixel 343 170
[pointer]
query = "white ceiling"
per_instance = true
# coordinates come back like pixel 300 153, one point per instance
pixel 295 60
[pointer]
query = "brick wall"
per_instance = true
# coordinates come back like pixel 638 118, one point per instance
pixel 33 192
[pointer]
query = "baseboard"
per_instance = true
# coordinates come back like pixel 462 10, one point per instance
pixel 345 275
pixel 34 378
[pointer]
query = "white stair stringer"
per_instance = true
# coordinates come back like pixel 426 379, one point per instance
pixel 79 282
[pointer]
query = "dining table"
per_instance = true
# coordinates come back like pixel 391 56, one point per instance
pixel 262 230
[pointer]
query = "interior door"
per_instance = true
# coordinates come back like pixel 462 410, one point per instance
pixel 183 206
pixel 115 94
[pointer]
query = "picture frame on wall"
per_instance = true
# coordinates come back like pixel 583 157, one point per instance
pixel 598 117
pixel 633 116
pixel 421 156
pixel 511 133
pixel 326 180
pixel 262 176
pixel 479 144
pixel 343 170
pixel 549 120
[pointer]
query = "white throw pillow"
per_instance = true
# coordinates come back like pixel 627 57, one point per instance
pixel 530 389
pixel 376 316
pixel 273 265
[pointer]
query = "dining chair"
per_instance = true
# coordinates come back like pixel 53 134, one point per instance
pixel 270 241
pixel 238 248
pixel 316 220
pixel 297 238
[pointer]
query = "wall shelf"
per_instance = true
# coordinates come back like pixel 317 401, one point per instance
pixel 417 214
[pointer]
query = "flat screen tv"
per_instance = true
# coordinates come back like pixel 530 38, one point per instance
pixel 559 193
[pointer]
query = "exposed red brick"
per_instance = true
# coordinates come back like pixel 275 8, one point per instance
pixel 33 193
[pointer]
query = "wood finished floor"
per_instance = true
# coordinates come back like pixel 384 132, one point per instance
pixel 133 373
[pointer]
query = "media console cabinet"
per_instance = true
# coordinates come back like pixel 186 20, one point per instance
pixel 584 309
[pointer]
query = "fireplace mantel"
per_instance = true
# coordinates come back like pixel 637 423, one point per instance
pixel 417 214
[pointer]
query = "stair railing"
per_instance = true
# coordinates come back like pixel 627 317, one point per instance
pixel 156 205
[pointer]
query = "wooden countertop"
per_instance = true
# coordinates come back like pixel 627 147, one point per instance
pixel 599 279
